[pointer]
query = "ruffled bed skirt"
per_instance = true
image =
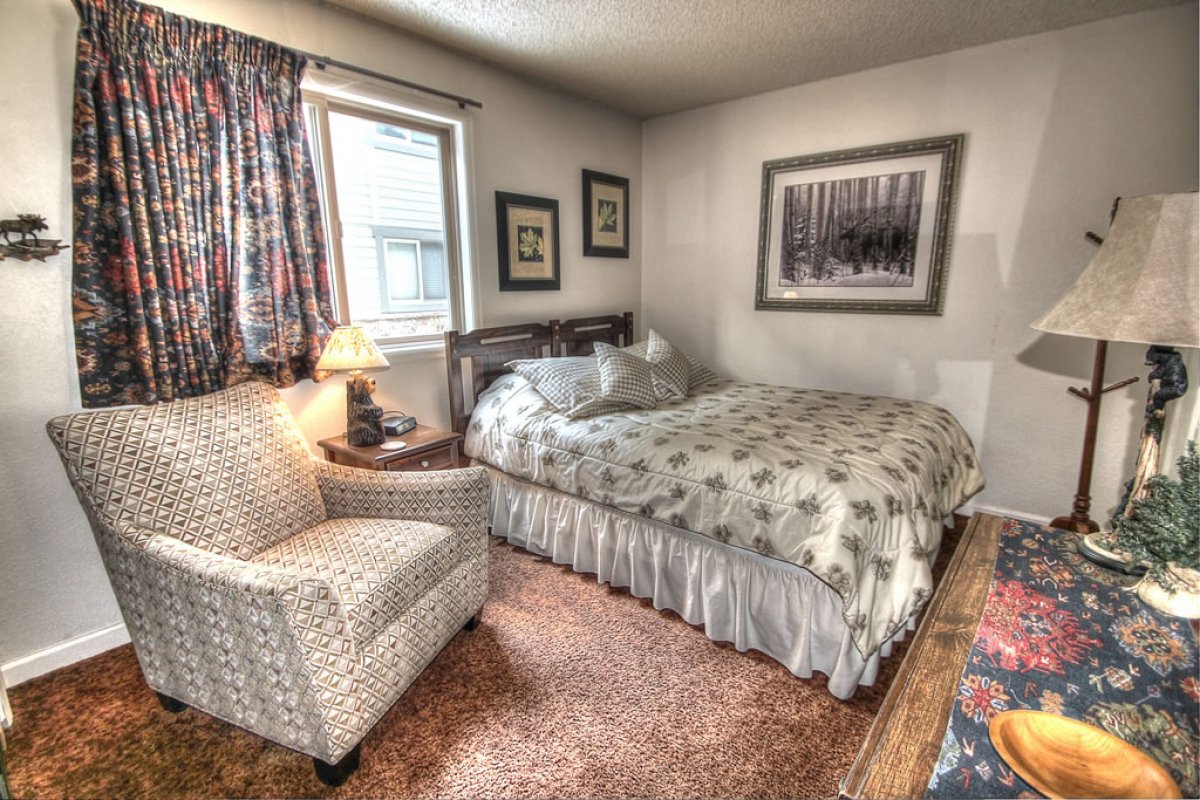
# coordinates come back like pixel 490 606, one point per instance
pixel 738 596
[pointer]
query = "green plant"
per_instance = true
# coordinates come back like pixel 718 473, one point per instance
pixel 1164 527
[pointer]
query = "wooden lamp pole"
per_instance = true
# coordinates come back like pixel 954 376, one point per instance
pixel 1079 521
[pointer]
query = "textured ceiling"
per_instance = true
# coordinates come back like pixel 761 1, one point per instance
pixel 651 57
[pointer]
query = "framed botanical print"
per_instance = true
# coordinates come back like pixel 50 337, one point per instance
pixel 527 238
pixel 605 215
pixel 864 230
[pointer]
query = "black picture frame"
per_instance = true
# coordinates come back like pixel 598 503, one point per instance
pixel 605 215
pixel 862 231
pixel 527 243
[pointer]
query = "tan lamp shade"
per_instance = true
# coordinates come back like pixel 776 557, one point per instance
pixel 349 348
pixel 1144 283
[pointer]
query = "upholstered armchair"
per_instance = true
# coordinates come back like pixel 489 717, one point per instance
pixel 291 597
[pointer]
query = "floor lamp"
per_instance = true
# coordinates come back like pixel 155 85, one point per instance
pixel 1142 286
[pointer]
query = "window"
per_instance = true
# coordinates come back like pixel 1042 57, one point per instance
pixel 414 274
pixel 392 194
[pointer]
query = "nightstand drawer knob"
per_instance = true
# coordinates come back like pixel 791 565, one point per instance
pixel 425 463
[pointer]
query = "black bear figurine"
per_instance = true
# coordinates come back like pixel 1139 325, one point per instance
pixel 363 418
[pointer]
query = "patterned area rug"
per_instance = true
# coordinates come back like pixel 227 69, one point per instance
pixel 1063 635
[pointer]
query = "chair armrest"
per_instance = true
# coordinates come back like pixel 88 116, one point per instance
pixel 456 498
pixel 222 571
pixel 240 626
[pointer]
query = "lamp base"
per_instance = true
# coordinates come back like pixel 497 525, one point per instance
pixel 364 425
pixel 1168 381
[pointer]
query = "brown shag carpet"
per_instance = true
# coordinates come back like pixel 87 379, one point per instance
pixel 568 688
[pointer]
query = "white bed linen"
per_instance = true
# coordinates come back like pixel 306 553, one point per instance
pixel 738 596
pixel 850 487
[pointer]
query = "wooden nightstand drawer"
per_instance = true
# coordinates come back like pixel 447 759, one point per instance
pixel 428 449
pixel 441 458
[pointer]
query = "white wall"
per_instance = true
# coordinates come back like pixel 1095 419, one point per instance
pixel 525 139
pixel 1057 126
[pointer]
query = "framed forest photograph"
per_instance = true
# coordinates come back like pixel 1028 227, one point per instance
pixel 527 241
pixel 605 215
pixel 864 230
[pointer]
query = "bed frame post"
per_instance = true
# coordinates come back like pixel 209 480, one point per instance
pixel 458 414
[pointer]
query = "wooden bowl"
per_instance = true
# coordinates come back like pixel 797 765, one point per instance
pixel 1063 757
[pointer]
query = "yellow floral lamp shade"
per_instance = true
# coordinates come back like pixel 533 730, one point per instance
pixel 349 348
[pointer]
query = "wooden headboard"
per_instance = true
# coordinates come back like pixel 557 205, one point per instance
pixel 489 349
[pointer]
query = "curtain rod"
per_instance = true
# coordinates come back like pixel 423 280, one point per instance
pixel 322 61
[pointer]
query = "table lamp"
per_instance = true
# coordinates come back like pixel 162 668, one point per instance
pixel 349 349
pixel 1142 286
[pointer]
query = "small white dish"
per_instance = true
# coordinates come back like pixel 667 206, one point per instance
pixel 393 445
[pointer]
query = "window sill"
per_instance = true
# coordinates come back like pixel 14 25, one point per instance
pixel 421 351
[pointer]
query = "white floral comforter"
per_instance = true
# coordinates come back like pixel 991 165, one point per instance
pixel 850 487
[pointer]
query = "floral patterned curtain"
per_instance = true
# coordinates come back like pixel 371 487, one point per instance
pixel 199 258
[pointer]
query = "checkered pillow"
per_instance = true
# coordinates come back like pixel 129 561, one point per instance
pixel 670 367
pixel 571 385
pixel 698 374
pixel 624 377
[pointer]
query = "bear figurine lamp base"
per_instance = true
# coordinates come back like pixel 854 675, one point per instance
pixel 349 349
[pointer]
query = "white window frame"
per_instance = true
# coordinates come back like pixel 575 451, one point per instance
pixel 383 104
pixel 418 247
pixel 388 300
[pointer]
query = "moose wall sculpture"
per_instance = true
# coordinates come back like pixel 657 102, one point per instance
pixel 25 224
pixel 29 245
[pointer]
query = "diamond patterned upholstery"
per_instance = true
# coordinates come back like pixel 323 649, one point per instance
pixel 285 595
pixel 358 557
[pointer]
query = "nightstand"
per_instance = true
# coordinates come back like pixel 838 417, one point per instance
pixel 428 449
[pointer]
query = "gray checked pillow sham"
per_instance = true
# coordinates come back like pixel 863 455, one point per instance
pixel 570 384
pixel 669 365
pixel 624 377
pixel 698 374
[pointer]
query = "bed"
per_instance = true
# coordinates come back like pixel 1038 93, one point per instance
pixel 801 523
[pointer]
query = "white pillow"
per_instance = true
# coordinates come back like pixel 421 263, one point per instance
pixel 624 377
pixel 571 384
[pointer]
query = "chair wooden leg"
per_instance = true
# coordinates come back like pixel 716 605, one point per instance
pixel 473 622
pixel 336 774
pixel 170 703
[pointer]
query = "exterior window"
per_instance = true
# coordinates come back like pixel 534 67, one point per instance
pixel 390 197
pixel 402 268
pixel 414 273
